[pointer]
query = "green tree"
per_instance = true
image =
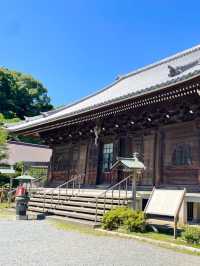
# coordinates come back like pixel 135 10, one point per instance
pixel 3 139
pixel 21 95
pixel 8 91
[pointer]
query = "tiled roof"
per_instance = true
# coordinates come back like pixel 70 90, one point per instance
pixel 157 76
pixel 19 151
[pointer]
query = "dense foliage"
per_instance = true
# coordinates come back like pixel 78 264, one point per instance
pixel 191 235
pixel 129 219
pixel 21 95
pixel 135 222
pixel 3 139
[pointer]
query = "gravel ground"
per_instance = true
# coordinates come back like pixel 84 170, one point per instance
pixel 39 243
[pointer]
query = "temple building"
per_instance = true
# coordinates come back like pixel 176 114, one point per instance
pixel 154 111
pixel 33 156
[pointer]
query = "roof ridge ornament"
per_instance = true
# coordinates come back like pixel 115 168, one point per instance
pixel 27 119
pixel 135 156
pixel 118 77
pixel 44 114
pixel 174 71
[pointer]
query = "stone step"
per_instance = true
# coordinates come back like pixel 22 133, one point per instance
pixel 67 208
pixel 79 206
pixel 74 203
pixel 109 195
pixel 83 199
pixel 77 215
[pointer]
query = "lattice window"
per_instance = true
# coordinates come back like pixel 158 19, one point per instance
pixel 38 171
pixel 107 156
pixel 182 155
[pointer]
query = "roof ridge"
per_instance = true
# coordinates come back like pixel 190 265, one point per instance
pixel 28 144
pixel 139 70
pixel 164 60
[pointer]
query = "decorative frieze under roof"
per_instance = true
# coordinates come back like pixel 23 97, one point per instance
pixel 155 77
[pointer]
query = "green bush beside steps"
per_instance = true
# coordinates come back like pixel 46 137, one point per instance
pixel 129 219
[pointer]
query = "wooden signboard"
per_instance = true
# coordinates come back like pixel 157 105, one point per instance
pixel 164 202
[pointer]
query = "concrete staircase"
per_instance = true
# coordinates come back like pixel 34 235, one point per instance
pixel 84 205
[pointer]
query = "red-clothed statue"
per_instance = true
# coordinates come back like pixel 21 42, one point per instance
pixel 21 191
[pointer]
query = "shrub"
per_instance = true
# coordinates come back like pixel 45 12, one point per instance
pixel 191 235
pixel 124 217
pixel 114 218
pixel 135 222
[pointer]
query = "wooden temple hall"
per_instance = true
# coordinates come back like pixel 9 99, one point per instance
pixel 154 111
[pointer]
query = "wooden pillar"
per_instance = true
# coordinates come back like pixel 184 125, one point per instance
pixel 198 134
pixel 159 156
pixel 149 161
pixel 82 163
pixel 92 163
pixel 50 166
pixel 134 189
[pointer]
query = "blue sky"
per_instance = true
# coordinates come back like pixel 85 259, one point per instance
pixel 77 47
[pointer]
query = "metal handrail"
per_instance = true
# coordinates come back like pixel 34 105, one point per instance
pixel 12 191
pixel 66 184
pixel 49 190
pixel 34 181
pixel 44 196
pixel 37 179
pixel 77 178
pixel 111 189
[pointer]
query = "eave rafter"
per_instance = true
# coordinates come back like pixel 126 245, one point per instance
pixel 129 123
pixel 168 95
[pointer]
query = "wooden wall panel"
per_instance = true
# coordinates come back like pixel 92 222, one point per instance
pixel 60 162
pixel 179 134
pixel 155 150
pixel 68 160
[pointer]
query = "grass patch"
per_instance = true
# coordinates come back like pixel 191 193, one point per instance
pixel 67 226
pixel 4 211
pixel 167 238
pixel 4 205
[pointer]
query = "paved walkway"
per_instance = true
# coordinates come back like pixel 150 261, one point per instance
pixel 39 243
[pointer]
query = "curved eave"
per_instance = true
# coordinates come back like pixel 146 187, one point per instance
pixel 131 96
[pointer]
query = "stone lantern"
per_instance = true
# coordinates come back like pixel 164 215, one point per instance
pixel 133 166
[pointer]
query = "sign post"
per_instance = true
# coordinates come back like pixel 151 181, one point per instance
pixel 134 189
